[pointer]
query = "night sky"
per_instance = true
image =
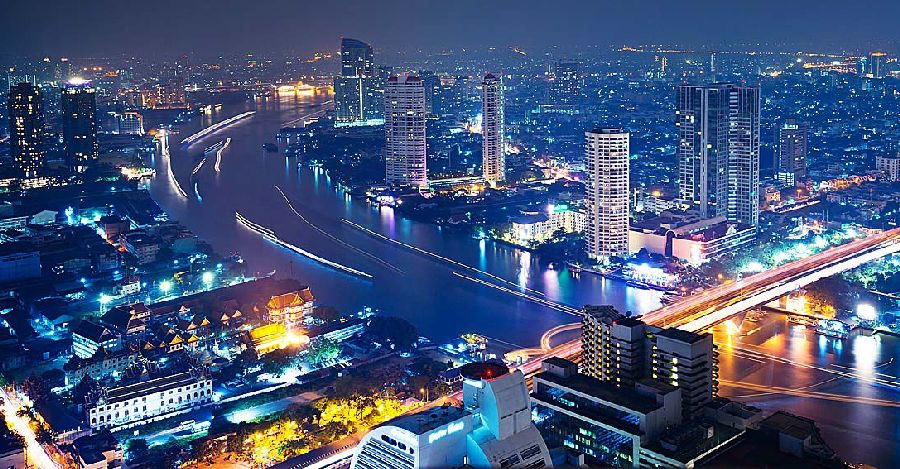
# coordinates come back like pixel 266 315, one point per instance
pixel 168 28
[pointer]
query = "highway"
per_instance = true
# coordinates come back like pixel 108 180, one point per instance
pixel 701 311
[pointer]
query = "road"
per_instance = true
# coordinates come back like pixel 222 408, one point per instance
pixel 701 311
pixel 36 453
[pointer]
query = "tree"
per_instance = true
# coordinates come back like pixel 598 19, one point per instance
pixel 326 313
pixel 322 351
pixel 394 330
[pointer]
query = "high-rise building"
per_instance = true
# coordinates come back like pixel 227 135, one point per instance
pixel 718 150
pixel 889 165
pixel 357 91
pixel 79 122
pixel 876 64
pixel 404 127
pixel 493 164
pixel 493 428
pixel 130 123
pixel 26 128
pixel 613 346
pixel 565 84
pixel 792 143
pixel 687 360
pixel 606 165
pixel 624 351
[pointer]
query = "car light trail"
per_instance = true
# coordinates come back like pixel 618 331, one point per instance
pixel 270 236
pixel 215 127
pixel 36 453
pixel 337 240
pixel 437 256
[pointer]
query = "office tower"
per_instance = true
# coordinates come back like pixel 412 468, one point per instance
pixel 876 64
pixel 26 128
pixel 404 128
pixel 612 426
pixel 357 94
pixel 718 150
pixel 792 141
pixel 432 85
pixel 493 164
pixel 565 84
pixel 130 123
pixel 687 360
pixel 492 429
pixel 79 122
pixel 606 165
pixel 613 346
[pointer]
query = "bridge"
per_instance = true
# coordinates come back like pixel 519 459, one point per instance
pixel 714 305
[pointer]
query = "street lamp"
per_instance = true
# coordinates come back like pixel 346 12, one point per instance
pixel 165 286
pixel 208 278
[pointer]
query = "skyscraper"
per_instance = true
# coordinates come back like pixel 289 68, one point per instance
pixel 79 122
pixel 606 164
pixel 613 346
pixel 357 91
pixel 493 164
pixel 26 127
pixel 792 141
pixel 718 150
pixel 404 128
pixel 565 87
pixel 687 360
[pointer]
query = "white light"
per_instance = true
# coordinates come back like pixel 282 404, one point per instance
pixel 165 286
pixel 208 277
pixel 866 312
pixel 105 299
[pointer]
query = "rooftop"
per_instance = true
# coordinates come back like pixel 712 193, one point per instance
pixel 603 391
pixel 682 336
pixel 429 419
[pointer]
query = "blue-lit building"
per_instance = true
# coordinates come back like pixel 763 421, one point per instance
pixel 493 428
pixel 79 122
pixel 610 425
pixel 359 90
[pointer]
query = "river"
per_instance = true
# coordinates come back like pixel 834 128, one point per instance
pixel 421 288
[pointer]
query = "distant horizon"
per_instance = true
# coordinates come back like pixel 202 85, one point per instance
pixel 169 28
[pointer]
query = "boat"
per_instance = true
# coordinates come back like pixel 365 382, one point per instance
pixel 214 147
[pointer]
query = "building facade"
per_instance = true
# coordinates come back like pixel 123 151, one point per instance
pixel 565 84
pixel 358 91
pixel 79 122
pixel 130 123
pixel 792 141
pixel 889 165
pixel 606 165
pixel 404 126
pixel 493 166
pixel 26 129
pixel 493 428
pixel 613 346
pixel 718 150
pixel 124 405
pixel 687 360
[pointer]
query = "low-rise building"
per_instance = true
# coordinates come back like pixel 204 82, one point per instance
pixel 100 366
pixel 889 165
pixel 688 238
pixel 535 227
pixel 143 246
pixel 89 337
pixel 290 308
pixel 123 405
pixel 18 261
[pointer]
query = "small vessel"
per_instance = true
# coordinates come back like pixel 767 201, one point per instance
pixel 215 147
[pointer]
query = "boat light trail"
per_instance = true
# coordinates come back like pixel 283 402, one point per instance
pixel 219 154
pixel 270 236
pixel 541 301
pixel 216 127
pixel 439 257
pixel 337 240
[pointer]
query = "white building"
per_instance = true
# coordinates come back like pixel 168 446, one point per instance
pixel 532 228
pixel 890 165
pixel 606 165
pixel 89 337
pixel 135 402
pixel 130 122
pixel 493 164
pixel 492 429
pixel 404 127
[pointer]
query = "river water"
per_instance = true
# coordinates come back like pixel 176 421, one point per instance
pixel 419 287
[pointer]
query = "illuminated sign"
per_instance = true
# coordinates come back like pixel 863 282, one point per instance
pixel 452 428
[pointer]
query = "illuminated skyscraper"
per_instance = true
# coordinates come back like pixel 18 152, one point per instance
pixel 493 164
pixel 565 87
pixel 404 127
pixel 718 150
pixel 792 142
pixel 606 164
pixel 79 122
pixel 130 122
pixel 357 91
pixel 26 127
